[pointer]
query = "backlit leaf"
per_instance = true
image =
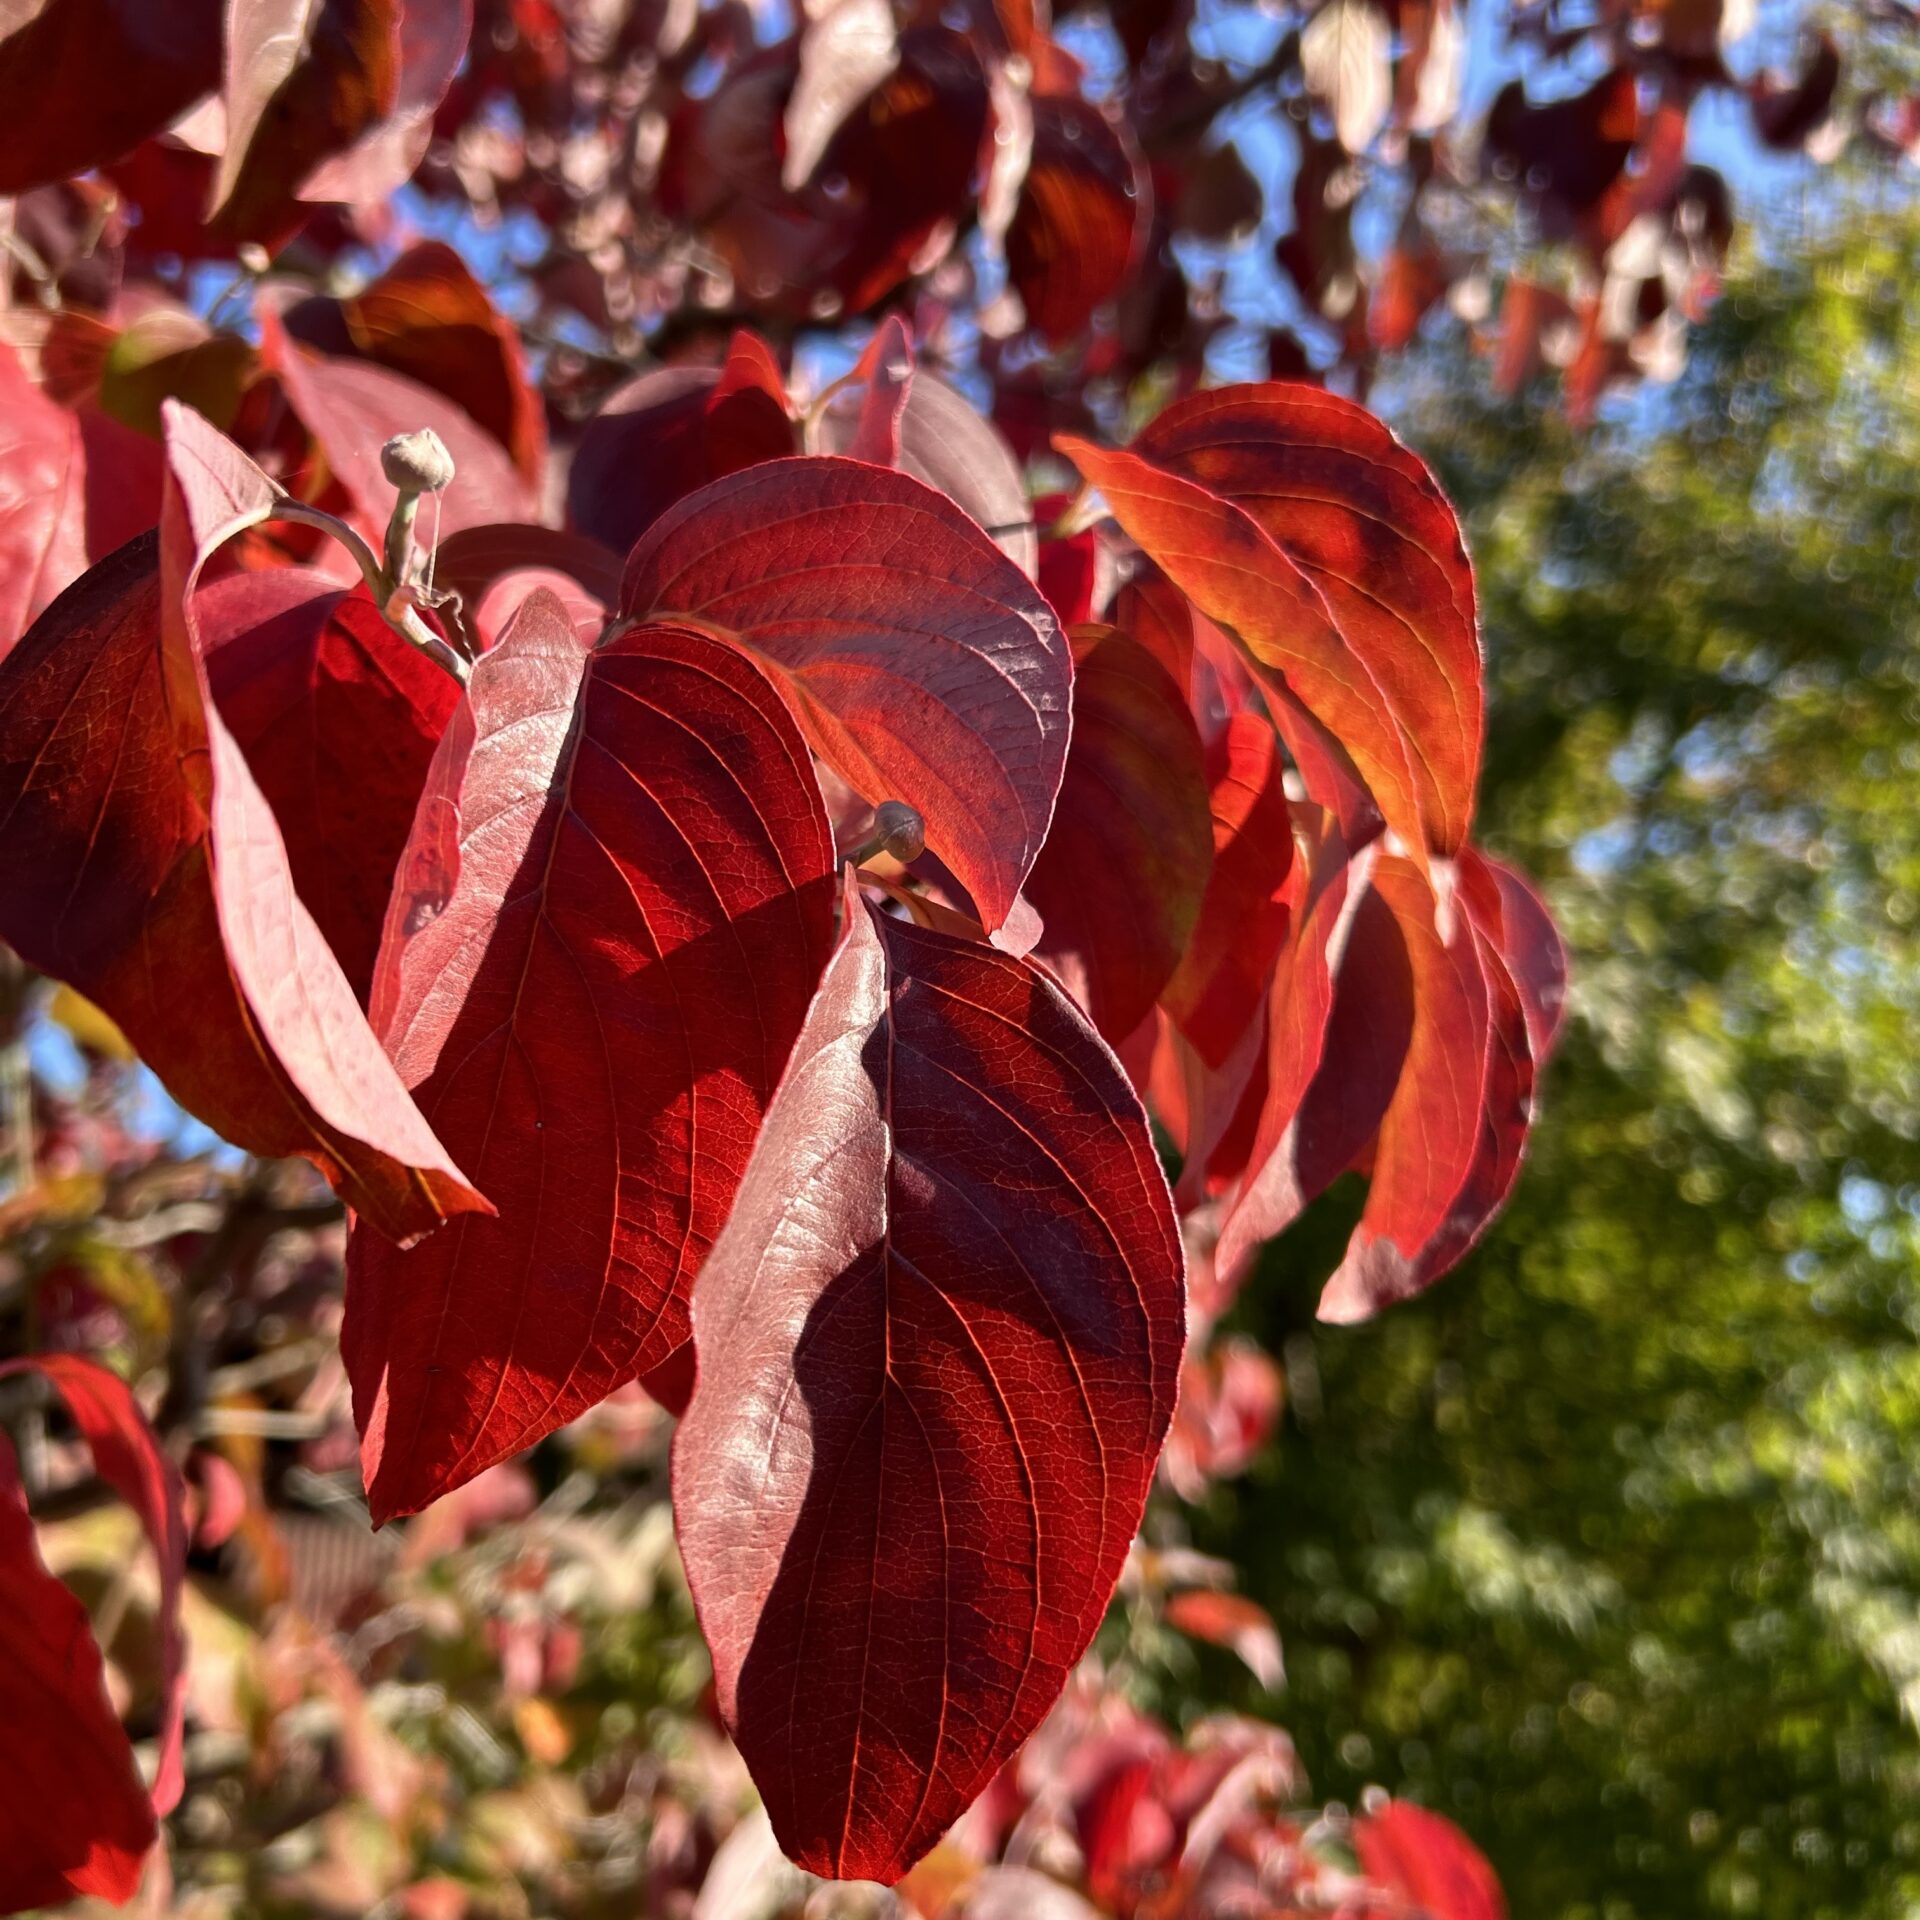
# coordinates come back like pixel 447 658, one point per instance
pixel 1222 976
pixel 74 1816
pixel 73 486
pixel 428 318
pixel 352 408
pixel 338 718
pixel 1429 1862
pixel 140 863
pixel 75 1819
pixel 1295 520
pixel 1082 216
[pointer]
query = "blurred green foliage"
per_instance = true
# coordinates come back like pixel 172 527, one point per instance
pixel 1609 1546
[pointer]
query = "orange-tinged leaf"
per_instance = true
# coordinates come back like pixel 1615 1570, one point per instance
pixel 1231 1620
pixel 1294 519
pixel 427 317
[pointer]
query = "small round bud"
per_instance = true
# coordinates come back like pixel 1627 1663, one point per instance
pixel 417 462
pixel 900 831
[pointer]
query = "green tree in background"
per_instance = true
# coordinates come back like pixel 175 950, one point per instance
pixel 1610 1546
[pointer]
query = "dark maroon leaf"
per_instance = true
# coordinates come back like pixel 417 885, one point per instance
pixel 924 665
pixel 938 1344
pixel 1120 879
pixel 613 908
pixel 83 81
pixel 666 434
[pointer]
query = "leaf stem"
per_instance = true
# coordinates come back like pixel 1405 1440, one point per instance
pixel 396 608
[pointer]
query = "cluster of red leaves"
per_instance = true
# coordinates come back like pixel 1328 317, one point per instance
pixel 693 166
pixel 544 973
pixel 1106 1813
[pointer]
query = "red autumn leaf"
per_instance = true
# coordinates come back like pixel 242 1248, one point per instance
pixel 845 50
pixel 473 560
pixel 1222 978
pixel 128 1456
pixel 492 569
pixel 329 102
pixel 1786 112
pixel 1298 1148
pixel 1155 612
pixel 609 918
pixel 1527 311
pixel 1119 882
pixel 140 863
pixel 924 665
pixel 301 83
pixel 1528 943
pixel 352 408
pixel 882 384
pixel 907 164
pixel 43 539
pixel 1417 761
pixel 1210 1112
pixel 1413 277
pixel 1082 218
pixel 1231 1620
pixel 1069 571
pixel 428 318
pixel 1570 151
pixel 1451 1143
pixel 1230 1400
pixel 73 487
pixel 1430 1132
pixel 432 43
pixel 666 434
pixel 956 451
pixel 885 201
pixel 77 1820
pixel 938 1344
pixel 1377 546
pixel 1318 255
pixel 84 81
pixel 338 718
pixel 1429 1862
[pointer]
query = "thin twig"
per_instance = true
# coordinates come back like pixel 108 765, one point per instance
pixel 397 610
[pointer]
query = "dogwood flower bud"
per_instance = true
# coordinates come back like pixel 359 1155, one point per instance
pixel 417 462
pixel 899 830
